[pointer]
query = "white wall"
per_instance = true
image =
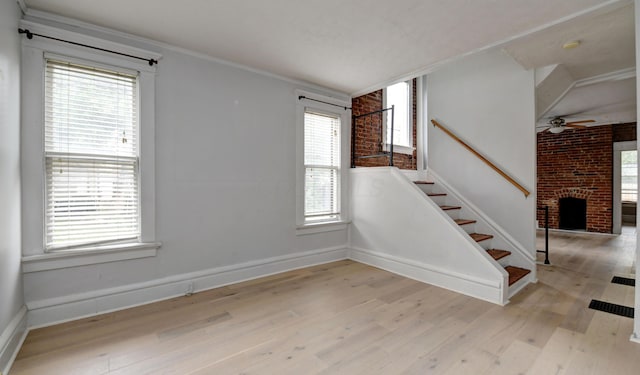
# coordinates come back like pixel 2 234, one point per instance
pixel 225 191
pixel 10 277
pixel 396 227
pixel 636 322
pixel 487 100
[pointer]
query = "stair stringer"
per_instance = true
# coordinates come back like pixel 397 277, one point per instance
pixel 396 227
pixel 519 257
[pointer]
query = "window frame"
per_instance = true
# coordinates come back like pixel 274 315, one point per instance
pixel 341 110
pixel 34 55
pixel 338 170
pixel 397 147
pixel 52 155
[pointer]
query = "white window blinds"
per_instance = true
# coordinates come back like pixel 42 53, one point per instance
pixel 322 166
pixel 91 152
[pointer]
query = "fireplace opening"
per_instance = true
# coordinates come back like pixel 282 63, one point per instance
pixel 573 213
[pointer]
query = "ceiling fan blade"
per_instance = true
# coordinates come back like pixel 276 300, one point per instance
pixel 572 125
pixel 579 122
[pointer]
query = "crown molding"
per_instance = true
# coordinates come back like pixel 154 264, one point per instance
pixel 617 75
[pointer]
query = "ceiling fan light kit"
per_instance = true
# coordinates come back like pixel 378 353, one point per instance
pixel 558 124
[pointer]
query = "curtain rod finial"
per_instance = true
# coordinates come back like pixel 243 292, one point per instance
pixel 26 31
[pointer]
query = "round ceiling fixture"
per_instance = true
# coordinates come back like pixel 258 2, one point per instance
pixel 571 45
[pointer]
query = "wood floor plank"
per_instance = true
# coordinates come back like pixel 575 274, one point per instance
pixel 350 318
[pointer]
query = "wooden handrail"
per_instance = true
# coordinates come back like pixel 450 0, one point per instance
pixel 476 153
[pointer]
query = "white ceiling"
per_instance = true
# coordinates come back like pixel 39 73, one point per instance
pixel 607 45
pixel 608 102
pixel 353 46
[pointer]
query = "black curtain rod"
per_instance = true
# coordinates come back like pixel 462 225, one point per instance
pixel 30 35
pixel 320 101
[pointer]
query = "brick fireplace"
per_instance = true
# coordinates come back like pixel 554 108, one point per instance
pixel 578 163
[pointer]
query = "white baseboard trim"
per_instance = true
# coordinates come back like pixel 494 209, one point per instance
pixel 62 309
pixel 464 284
pixel 11 339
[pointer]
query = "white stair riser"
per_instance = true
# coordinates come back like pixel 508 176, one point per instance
pixel 486 244
pixel 504 261
pixel 439 200
pixel 454 214
pixel 469 228
pixel 426 188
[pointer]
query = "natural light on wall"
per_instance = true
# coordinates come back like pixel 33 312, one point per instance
pixel 398 95
pixel 629 176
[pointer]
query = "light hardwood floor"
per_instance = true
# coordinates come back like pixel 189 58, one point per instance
pixel 348 318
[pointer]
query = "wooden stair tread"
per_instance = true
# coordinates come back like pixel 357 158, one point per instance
pixel 447 208
pixel 480 236
pixel 437 194
pixel 423 182
pixel 516 273
pixel 498 254
pixel 464 221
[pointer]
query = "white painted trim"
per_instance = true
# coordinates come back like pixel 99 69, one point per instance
pixel 579 233
pixel 596 9
pixel 340 102
pixel 61 309
pixel 119 34
pixel 311 101
pixel 611 76
pixel 23 6
pixel 12 338
pixel 86 256
pixel 554 103
pixel 333 226
pixel 399 149
pixel 517 246
pixel 617 182
pixel 606 77
pixel 32 153
pixel 634 338
pixel 459 283
pixel 421 112
pixel 75 37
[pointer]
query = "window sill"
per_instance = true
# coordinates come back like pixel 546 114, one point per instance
pixel 88 255
pixel 398 149
pixel 332 226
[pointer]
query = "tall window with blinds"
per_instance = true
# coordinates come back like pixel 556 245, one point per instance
pixel 322 167
pixel 91 152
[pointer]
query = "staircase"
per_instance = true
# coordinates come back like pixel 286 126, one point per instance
pixel 481 234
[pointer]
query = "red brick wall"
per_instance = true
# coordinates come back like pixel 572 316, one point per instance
pixel 367 136
pixel 577 163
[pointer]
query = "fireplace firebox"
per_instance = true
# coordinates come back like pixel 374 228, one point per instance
pixel 573 213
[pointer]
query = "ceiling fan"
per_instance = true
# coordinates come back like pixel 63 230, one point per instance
pixel 558 125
